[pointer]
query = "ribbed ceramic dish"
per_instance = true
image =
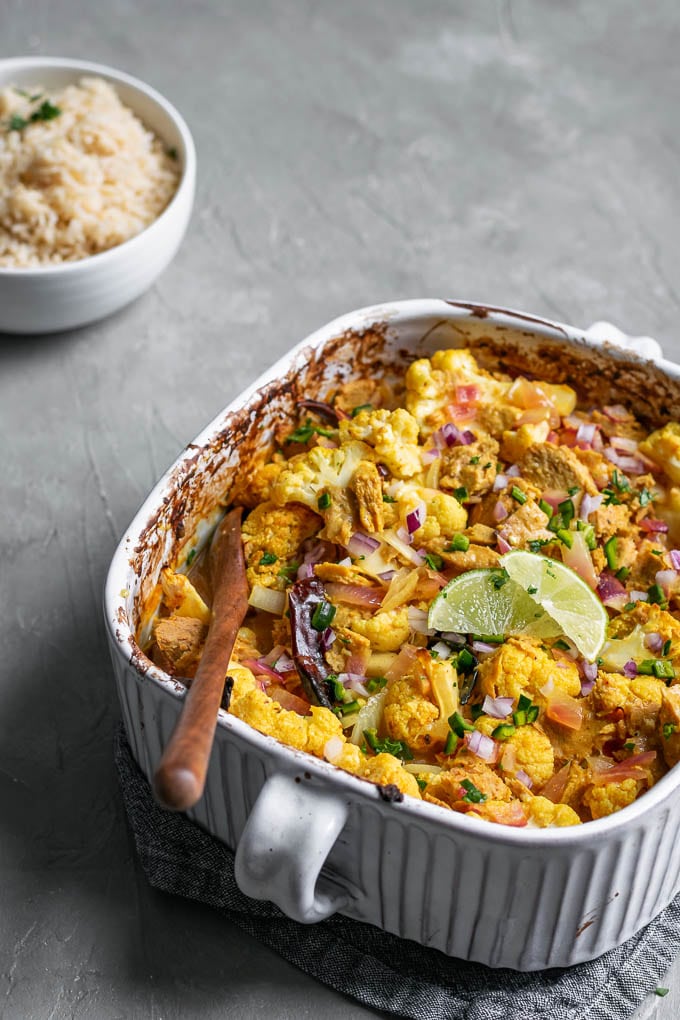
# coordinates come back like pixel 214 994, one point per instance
pixel 316 840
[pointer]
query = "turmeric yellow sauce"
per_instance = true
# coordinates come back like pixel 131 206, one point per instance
pixel 378 498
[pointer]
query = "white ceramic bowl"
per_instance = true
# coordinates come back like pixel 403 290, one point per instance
pixel 316 840
pixel 59 297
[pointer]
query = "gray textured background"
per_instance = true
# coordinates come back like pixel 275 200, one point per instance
pixel 349 153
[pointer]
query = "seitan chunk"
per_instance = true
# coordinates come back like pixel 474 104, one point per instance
pixel 470 467
pixel 556 467
pixel 179 640
pixel 367 488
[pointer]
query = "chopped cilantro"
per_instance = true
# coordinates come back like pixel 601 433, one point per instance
pixel 434 561
pixel 646 496
pixel 304 433
pixel 499 579
pixel 396 747
pixel 422 783
pixel 532 589
pixel 191 557
pixel 46 111
pixel 669 729
pixel 375 683
pixel 267 559
pixel 289 572
pixel 610 498
pixel 324 501
pixel 17 123
pixel 562 645
pixel 629 746
pixel 573 490
pixel 388 499
pixel 536 544
pixel 361 407
pixel 461 494
pixel 485 467
pixel 472 794
pixel 620 481
pixel 474 460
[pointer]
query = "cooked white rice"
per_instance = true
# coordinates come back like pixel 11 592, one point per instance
pixel 80 183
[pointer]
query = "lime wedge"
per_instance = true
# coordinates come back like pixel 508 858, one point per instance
pixel 562 595
pixel 488 603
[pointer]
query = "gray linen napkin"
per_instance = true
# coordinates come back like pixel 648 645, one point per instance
pixel 381 970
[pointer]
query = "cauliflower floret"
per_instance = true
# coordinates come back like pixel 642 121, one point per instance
pixel 181 598
pixel 444 516
pixel 392 434
pixel 640 698
pixel 431 385
pixel 544 814
pixel 610 797
pixel 272 537
pixel 418 705
pixel 255 485
pixel 533 752
pixel 520 666
pixel 663 447
pixel 387 631
pixel 426 390
pixel 386 770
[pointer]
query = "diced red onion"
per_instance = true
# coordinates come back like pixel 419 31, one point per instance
pixel 503 544
pixel 586 687
pixel 552 437
pixel 589 504
pixel 354 682
pixel 467 437
pixel 383 470
pixel 362 545
pixel 456 639
pixel 609 586
pixel 586 433
pixel 427 456
pixel 654 642
pixel 387 575
pixel 513 471
pixel 451 435
pixel 589 670
pixel 332 749
pixel 305 570
pixel 484 747
pixel 500 482
pixel 497 708
pixel 416 517
pixel 632 465
pixel 271 658
pixel 675 558
pixel 554 496
pixel 524 778
pixel 417 620
pixel 261 667
pixel 442 650
pixel 368 596
pixel 667 579
pixel 637 596
pixel 547 688
pixel 616 412
pixel 500 512
pixel 327 638
pixel 653 524
pixel 345 563
pixel 404 535
pixel 623 443
pixel 483 647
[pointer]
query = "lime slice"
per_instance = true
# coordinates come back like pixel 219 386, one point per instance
pixel 488 603
pixel 564 597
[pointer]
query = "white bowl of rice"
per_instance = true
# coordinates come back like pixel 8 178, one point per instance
pixel 97 180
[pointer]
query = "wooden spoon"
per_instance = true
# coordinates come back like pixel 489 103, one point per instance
pixel 180 776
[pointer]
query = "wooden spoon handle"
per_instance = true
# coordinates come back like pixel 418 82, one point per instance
pixel 180 776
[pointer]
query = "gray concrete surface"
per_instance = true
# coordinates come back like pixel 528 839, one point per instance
pixel 523 153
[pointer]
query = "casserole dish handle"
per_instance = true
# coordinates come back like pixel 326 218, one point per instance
pixel 645 346
pixel 286 840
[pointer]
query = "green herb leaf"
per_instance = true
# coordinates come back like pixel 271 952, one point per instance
pixel 472 794
pixel 361 407
pixel 387 746
pixel 46 111
pixel 324 501
pixel 267 559
pixel 434 561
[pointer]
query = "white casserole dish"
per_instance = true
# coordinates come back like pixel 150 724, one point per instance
pixel 316 840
